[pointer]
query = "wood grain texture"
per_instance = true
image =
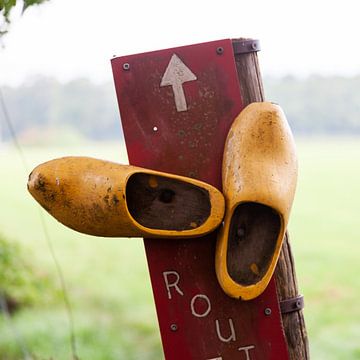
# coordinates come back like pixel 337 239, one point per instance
pixel 287 287
pixel 286 284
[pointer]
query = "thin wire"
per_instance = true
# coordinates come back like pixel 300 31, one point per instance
pixel 3 302
pixel 63 286
pixel 46 235
pixel 12 131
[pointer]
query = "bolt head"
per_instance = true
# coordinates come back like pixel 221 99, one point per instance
pixel 173 327
pixel 267 311
pixel 126 66
pixel 220 50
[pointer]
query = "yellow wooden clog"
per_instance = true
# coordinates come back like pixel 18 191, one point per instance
pixel 102 198
pixel 259 180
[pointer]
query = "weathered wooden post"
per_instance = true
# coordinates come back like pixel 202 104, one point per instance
pixel 177 106
pixel 286 283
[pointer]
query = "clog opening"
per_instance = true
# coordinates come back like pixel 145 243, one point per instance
pixel 253 235
pixel 164 203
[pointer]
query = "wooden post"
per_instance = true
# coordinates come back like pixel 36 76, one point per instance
pixel 286 284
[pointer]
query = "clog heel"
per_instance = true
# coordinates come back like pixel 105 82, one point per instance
pixel 259 180
pixel 102 198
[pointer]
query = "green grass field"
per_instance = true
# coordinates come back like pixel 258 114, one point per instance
pixel 108 282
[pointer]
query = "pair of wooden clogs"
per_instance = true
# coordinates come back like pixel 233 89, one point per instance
pixel 259 178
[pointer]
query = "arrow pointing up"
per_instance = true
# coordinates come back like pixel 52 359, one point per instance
pixel 175 75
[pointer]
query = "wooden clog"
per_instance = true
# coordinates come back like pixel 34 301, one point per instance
pixel 102 198
pixel 259 180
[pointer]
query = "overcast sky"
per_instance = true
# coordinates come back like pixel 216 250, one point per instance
pixel 77 38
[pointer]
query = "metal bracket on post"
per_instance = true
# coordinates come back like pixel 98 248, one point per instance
pixel 290 305
pixel 245 46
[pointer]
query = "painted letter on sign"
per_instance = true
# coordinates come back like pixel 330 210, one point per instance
pixel 192 305
pixel 232 332
pixel 247 350
pixel 174 284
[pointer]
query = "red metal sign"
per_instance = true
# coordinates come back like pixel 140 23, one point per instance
pixel 176 108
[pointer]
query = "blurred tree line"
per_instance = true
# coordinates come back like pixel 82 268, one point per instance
pixel 315 105
pixel 318 105
pixel 44 105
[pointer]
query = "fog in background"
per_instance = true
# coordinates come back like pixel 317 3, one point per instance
pixel 46 111
pixel 57 79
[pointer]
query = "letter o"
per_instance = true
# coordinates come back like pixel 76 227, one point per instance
pixel 193 311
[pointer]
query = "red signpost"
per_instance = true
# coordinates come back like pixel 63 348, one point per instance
pixel 176 107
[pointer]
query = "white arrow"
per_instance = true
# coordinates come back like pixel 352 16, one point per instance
pixel 175 75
